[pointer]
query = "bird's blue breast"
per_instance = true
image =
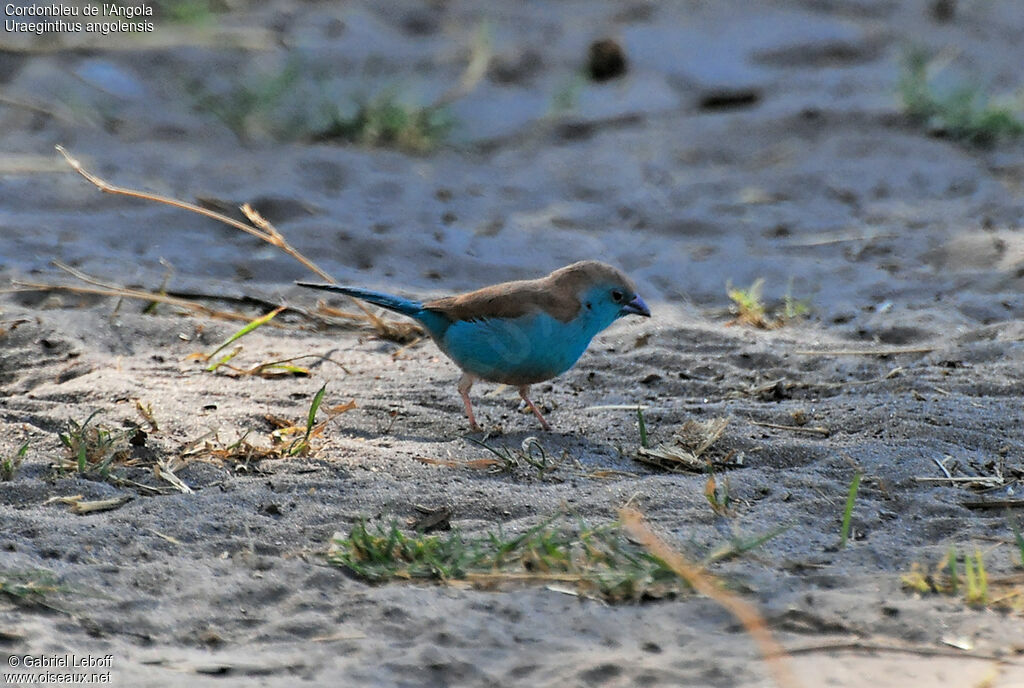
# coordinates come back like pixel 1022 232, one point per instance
pixel 516 351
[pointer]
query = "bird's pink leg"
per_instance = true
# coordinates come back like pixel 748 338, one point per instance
pixel 523 392
pixel 464 386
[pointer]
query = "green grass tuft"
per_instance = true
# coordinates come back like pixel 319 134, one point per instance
pixel 244 106
pixel 597 560
pixel 965 112
pixel 748 303
pixel 749 307
pixel 970 584
pixel 385 121
pixel 9 465
pixel 851 498
pixel 93 447
pixel 1018 537
pixel 975 579
pixel 954 576
pixel 32 586
pixel 792 307
pixel 642 426
pixel 299 101
pixel 567 96
pixel 301 446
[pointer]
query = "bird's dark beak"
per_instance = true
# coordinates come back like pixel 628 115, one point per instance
pixel 636 307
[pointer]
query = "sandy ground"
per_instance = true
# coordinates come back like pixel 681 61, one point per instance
pixel 897 240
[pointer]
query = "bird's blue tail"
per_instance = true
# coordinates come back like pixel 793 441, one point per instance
pixel 394 303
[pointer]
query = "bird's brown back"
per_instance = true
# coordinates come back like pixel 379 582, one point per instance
pixel 557 294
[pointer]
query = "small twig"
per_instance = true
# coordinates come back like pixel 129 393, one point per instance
pixel 284 361
pixel 860 646
pixel 980 479
pixel 942 467
pixel 82 507
pixel 165 470
pixel 826 239
pixel 88 279
pixel 898 370
pixel 127 293
pixel 357 635
pixel 814 430
pixel 895 351
pixel 402 349
pixel 244 299
pixel 993 504
pixel 271 237
pixel 623 407
pixel 168 538
pixel 183 298
pixel 766 387
pixel 476 68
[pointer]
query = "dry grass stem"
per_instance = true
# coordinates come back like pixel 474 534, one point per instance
pixel 164 470
pixel 164 536
pixel 890 647
pixel 992 503
pixel 475 464
pixel 480 55
pixel 271 235
pixel 22 285
pixel 891 351
pixel 685 452
pixel 146 411
pixel 82 507
pixel 814 430
pixel 842 237
pixel 260 228
pixel 701 581
pixel 287 440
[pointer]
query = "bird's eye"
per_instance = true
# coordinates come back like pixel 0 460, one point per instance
pixel 617 296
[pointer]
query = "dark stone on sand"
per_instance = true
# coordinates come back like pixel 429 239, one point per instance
pixel 606 60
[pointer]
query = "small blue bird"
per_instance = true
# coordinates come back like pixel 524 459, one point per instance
pixel 518 333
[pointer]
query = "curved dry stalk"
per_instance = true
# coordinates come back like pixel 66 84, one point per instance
pixel 480 55
pixel 774 654
pixel 107 187
pixel 39 107
pixel 21 285
pixel 260 228
pixel 114 289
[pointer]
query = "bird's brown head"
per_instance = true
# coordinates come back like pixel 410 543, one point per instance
pixel 601 288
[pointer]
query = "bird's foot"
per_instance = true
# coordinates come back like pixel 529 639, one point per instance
pixel 523 392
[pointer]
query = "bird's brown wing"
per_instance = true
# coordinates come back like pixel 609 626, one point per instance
pixel 510 300
pixel 557 294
